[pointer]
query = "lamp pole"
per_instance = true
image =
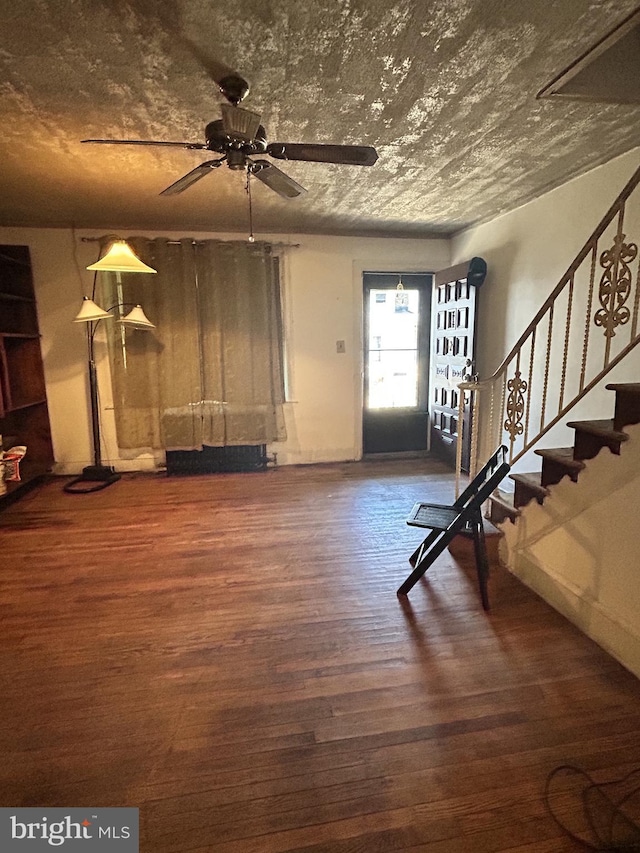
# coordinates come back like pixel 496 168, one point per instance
pixel 104 474
pixel 97 476
pixel 119 258
pixel 93 392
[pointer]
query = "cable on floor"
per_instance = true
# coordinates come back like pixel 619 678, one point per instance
pixel 600 816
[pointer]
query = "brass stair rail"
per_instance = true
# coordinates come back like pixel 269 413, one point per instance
pixel 560 357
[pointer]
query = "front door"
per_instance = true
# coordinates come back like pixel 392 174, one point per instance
pixel 397 312
pixel 453 343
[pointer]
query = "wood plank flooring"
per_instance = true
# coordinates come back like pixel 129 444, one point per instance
pixel 228 654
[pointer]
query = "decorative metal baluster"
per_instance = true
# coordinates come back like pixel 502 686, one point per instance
pixel 546 368
pixel 531 359
pixel 493 441
pixel 503 402
pixel 515 406
pixel 636 305
pixel 460 437
pixel 475 417
pixel 565 353
pixel 615 286
pixel 587 328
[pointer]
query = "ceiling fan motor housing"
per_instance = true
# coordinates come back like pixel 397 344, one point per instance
pixel 218 140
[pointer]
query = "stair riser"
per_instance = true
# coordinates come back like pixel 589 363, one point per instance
pixel 587 445
pixel 553 471
pixel 524 495
pixel 590 437
pixel 627 410
pixel 499 513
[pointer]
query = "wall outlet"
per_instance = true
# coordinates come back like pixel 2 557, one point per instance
pixel 340 346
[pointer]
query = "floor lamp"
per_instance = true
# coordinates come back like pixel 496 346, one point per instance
pixel 119 258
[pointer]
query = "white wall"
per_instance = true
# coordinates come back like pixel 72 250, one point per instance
pixel 322 304
pixel 528 251
pixel 580 550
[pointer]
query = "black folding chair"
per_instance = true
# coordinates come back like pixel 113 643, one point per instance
pixel 446 521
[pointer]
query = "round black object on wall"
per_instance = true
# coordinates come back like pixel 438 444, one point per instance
pixel 477 271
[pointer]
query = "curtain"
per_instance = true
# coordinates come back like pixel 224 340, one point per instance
pixel 211 371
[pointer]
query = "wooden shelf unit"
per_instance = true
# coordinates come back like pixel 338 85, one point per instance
pixel 24 417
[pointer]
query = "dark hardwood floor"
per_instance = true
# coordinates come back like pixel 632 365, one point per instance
pixel 228 654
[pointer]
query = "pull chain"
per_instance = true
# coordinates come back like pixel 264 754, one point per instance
pixel 251 237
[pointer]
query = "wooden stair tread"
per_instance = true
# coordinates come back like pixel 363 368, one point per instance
pixel 532 482
pixel 502 507
pixel 603 428
pixel 627 387
pixel 627 405
pixel 564 455
pixel 558 462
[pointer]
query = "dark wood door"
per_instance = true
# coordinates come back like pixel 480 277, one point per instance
pixel 397 324
pixel 453 346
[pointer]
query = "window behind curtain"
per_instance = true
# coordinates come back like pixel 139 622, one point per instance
pixel 211 373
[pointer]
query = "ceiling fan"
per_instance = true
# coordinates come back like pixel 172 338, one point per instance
pixel 239 136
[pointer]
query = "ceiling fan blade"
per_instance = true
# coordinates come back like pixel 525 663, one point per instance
pixel 216 70
pixel 275 179
pixel 353 155
pixel 193 145
pixel 191 177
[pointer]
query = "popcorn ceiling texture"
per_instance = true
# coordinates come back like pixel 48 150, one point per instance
pixel 444 90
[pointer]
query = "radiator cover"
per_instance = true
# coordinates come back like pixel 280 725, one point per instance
pixel 217 460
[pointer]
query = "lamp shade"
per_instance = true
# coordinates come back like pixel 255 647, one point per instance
pixel 120 258
pixel 137 319
pixel 89 312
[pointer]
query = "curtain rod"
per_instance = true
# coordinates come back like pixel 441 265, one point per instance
pixel 193 242
pixel 274 245
pixel 395 272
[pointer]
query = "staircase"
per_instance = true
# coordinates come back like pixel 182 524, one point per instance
pixel 587 326
pixel 590 437
pixel 575 547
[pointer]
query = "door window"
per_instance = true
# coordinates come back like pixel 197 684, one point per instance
pixel 392 351
pixel 396 362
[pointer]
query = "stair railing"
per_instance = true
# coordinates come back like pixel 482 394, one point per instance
pixel 578 335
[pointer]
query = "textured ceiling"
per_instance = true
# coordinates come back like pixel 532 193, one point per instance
pixel 444 89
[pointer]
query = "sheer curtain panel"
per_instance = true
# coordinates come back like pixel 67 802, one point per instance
pixel 211 371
